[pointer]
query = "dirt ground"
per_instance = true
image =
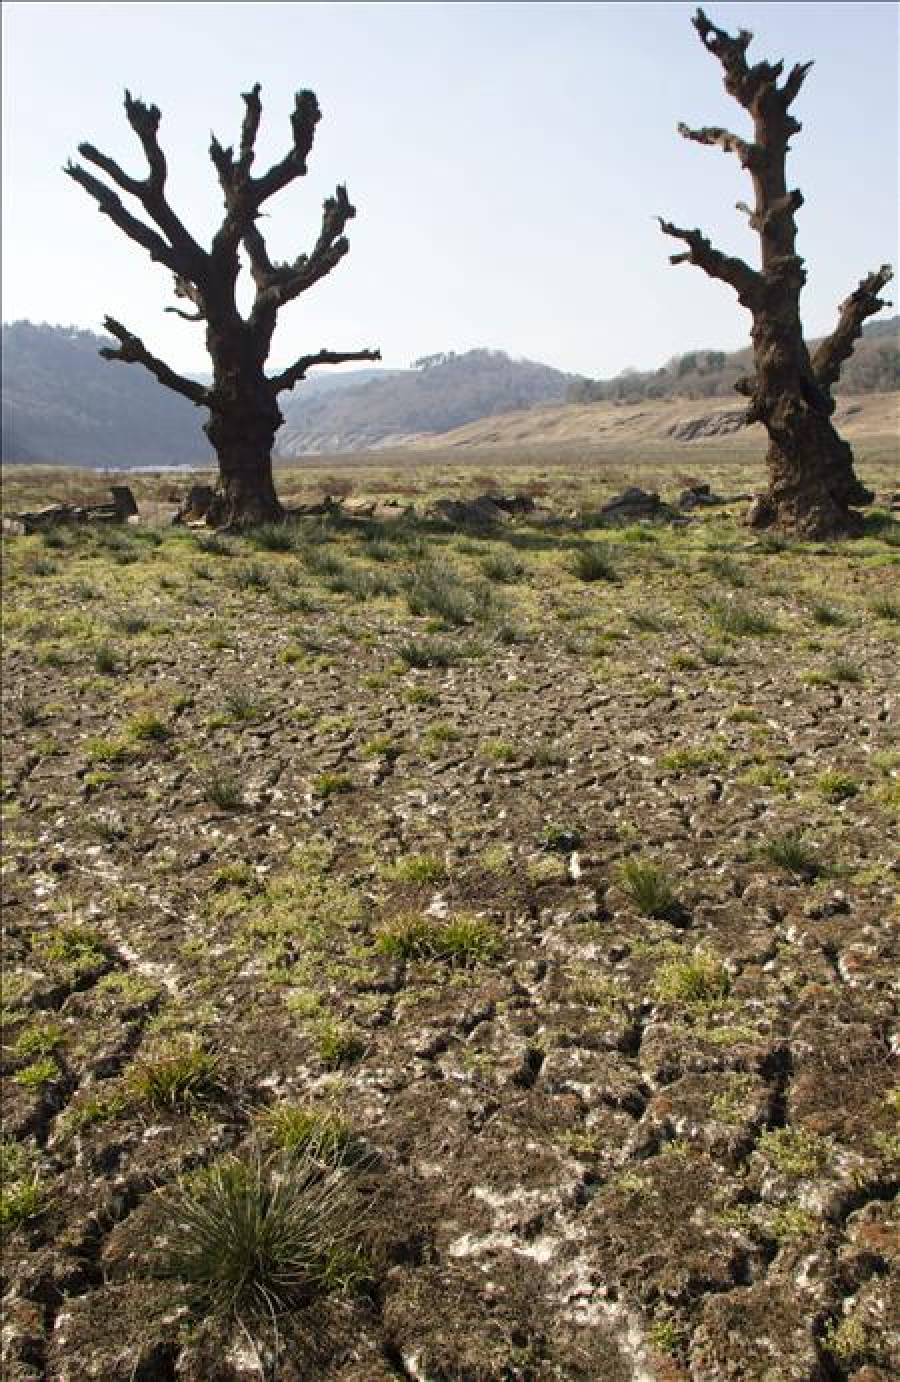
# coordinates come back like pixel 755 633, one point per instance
pixel 549 869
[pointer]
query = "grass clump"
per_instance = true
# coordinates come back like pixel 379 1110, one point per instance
pixel 22 1196
pixel 837 787
pixel 423 869
pixel 690 760
pixel 330 784
pixel 462 941
pixel 740 621
pixel 426 652
pixel 253 1238
pixel 650 889
pixel 702 979
pixel 792 852
pixel 297 1130
pixel 593 561
pixel 176 1079
pixel 794 1152
pixel 222 789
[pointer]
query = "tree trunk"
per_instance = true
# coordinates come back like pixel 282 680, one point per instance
pixel 812 483
pixel 244 417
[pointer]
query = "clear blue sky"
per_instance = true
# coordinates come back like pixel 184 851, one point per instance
pixel 507 162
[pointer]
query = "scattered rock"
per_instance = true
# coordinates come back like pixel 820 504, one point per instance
pixel 632 503
pixel 698 496
pixel 709 425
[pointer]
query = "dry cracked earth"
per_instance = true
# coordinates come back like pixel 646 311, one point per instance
pixel 535 887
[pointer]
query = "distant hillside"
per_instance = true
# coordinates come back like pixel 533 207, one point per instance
pixel 440 392
pixel 874 367
pixel 63 403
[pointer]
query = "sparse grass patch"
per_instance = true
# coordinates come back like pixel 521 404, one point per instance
pixel 793 853
pixel 692 759
pixel 421 869
pixel 794 1152
pixel 649 888
pixel 22 1195
pixel 700 979
pixel 740 621
pixel 148 727
pixel 330 784
pixel 337 1044
pixel 179 1078
pixel 426 652
pixel 837 786
pixel 594 561
pixel 298 1130
pixel 222 789
pixel 828 616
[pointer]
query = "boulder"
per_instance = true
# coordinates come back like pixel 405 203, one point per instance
pixel 634 503
pixel 698 496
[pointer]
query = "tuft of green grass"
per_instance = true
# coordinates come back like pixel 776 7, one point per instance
pixel 794 1152
pixel 423 869
pixel 22 1196
pixel 462 941
pixel 253 1238
pixel 594 561
pixel 426 652
pixel 828 616
pixel 179 1078
pixel 222 789
pixel 884 608
pixel 298 1130
pixel 338 1044
pixel 792 852
pixel 701 979
pixel 329 784
pixel 693 759
pixel 650 889
pixel 837 787
pixel 740 621
pixel 148 727
pixel 105 660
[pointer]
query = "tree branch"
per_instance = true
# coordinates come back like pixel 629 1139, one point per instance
pixel 110 205
pixel 749 154
pixel 747 283
pixel 297 371
pixel 835 349
pixel 284 282
pixel 304 119
pixel 132 351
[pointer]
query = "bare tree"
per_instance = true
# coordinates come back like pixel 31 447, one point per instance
pixel 812 483
pixel 242 400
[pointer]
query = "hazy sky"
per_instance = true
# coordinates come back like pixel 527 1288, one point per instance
pixel 507 162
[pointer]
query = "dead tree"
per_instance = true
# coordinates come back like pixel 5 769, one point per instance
pixel 242 399
pixel 812 483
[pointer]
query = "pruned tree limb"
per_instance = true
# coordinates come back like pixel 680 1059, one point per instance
pixel 297 371
pixel 863 302
pixel 750 155
pixel 110 205
pixel 132 351
pixel 747 282
pixel 306 115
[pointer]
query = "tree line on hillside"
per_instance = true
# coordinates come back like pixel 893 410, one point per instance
pixel 812 488
pixel 874 367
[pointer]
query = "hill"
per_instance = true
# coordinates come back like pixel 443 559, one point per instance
pixel 62 403
pixel 874 367
pixel 439 393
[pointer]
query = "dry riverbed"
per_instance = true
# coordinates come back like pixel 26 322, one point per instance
pixel 533 890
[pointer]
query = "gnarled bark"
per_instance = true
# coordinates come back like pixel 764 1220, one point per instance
pixel 243 400
pixel 812 482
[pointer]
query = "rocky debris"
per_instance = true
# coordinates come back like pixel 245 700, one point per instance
pixel 698 497
pixel 633 503
pixel 195 506
pixel 760 514
pixel 483 512
pixel 123 509
pixel 710 425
